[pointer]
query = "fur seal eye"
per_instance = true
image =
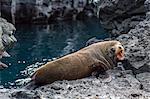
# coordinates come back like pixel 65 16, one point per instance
pixel 120 47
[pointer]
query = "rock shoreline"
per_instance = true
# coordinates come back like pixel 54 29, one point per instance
pixel 135 37
pixel 45 11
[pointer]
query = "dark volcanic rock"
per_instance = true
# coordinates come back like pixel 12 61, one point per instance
pixel 122 86
pixel 144 78
pixel 25 94
pixel 119 16
pixel 7 39
pixel 131 18
pixel 44 11
pixel 137 44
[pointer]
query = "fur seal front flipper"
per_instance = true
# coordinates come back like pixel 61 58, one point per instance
pixel 100 71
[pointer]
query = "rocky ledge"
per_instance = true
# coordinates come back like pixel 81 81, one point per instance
pixel 136 43
pixel 123 86
pixel 119 16
pixel 7 39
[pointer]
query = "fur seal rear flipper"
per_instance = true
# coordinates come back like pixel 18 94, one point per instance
pixel 31 85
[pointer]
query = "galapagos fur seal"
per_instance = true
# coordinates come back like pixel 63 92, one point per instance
pixel 99 56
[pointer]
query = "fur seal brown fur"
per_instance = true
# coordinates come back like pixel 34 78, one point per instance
pixel 99 56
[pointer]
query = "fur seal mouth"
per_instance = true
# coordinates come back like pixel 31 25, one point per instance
pixel 120 56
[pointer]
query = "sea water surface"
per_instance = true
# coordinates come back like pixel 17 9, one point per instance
pixel 36 43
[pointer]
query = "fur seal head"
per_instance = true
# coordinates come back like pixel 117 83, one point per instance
pixel 117 52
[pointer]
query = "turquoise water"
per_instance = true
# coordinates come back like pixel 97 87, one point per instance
pixel 39 42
